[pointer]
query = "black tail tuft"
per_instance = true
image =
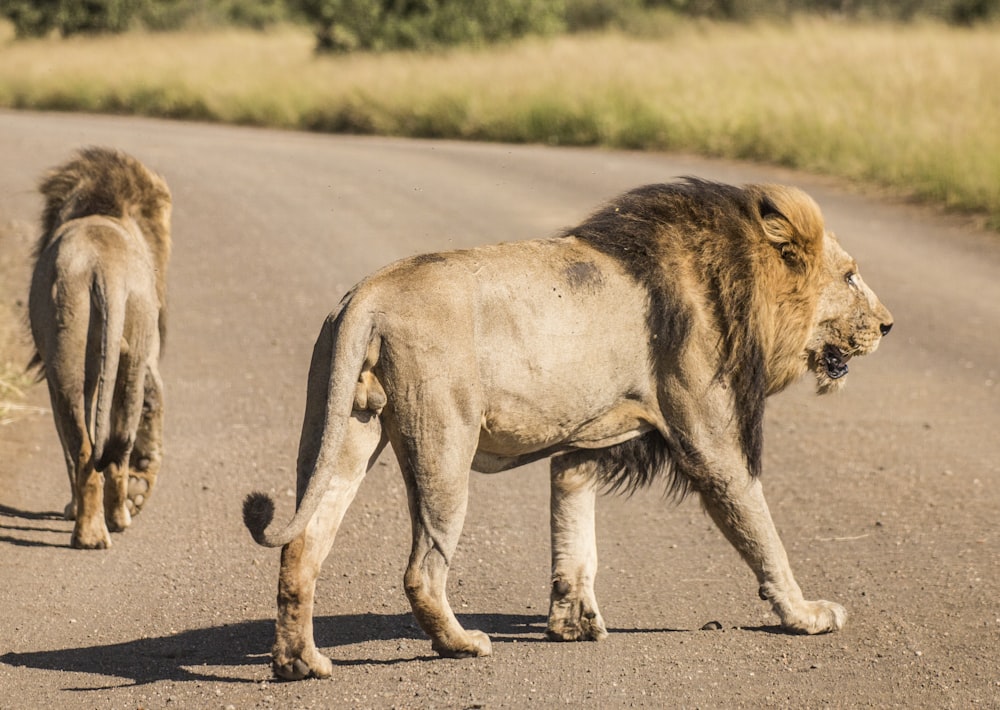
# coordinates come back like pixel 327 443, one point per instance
pixel 258 512
pixel 112 451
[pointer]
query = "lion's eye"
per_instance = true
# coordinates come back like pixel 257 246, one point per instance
pixel 852 279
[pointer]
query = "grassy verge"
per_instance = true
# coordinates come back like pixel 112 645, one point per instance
pixel 14 383
pixel 914 108
pixel 14 351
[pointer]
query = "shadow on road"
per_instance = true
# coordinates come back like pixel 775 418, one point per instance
pixel 29 514
pixel 179 657
pixel 32 540
pixel 200 654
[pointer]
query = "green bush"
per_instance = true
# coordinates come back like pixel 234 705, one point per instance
pixel 346 25
pixel 179 14
pixel 37 18
pixel 30 19
pixel 969 12
pixel 583 15
pixel 955 11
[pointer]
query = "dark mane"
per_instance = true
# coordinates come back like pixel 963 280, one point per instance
pixel 108 182
pixel 645 460
pixel 706 227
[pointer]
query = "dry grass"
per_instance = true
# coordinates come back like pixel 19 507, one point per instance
pixel 14 380
pixel 914 108
pixel 14 384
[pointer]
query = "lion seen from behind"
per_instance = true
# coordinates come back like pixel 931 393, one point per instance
pixel 96 309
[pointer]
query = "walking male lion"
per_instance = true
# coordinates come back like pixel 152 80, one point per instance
pixel 96 309
pixel 639 345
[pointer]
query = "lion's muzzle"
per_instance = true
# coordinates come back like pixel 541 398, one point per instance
pixel 834 362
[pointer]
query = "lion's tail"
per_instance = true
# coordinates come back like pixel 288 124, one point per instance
pixel 337 360
pixel 104 342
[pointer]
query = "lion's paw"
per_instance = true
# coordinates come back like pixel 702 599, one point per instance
pixel 93 537
pixel 818 617
pixel 573 615
pixel 140 486
pixel 118 519
pixel 588 626
pixel 475 644
pixel 312 664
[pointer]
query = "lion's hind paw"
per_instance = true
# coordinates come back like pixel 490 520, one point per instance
pixel 140 487
pixel 475 644
pixel 818 617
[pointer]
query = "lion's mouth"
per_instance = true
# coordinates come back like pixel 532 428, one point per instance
pixel 834 362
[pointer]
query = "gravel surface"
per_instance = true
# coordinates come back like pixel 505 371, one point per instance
pixel 886 495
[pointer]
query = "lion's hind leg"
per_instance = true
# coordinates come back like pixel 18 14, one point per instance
pixel 86 507
pixel 67 386
pixel 147 454
pixel 126 416
pixel 71 437
pixel 89 529
pixel 294 655
pixel 573 612
pixel 437 480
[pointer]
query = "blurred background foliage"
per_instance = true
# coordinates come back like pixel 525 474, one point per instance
pixel 350 25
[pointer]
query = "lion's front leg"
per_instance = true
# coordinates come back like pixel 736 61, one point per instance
pixel 86 506
pixel 738 507
pixel 573 612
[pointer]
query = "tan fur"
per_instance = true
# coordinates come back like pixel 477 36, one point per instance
pixel 97 309
pixel 641 344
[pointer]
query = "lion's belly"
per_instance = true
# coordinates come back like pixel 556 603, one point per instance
pixel 508 441
pixel 527 428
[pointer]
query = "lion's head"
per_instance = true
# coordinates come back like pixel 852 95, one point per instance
pixel 850 320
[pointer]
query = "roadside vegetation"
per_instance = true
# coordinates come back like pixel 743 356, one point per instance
pixel 912 107
pixel 14 353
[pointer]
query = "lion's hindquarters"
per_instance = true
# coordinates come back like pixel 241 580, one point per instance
pixel 59 319
pixel 93 313
pixel 338 440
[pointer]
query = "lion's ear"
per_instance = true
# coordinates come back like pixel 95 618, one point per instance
pixel 779 231
pixel 792 223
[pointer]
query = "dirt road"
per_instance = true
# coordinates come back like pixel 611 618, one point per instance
pixel 887 495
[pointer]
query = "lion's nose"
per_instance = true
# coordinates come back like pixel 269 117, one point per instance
pixel 885 328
